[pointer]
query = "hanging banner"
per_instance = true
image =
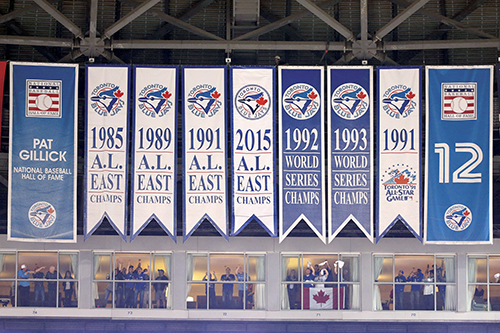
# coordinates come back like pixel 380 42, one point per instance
pixel 458 196
pixel 42 154
pixel 399 185
pixel 301 149
pixel 350 157
pixel 155 141
pixel 3 66
pixel 106 147
pixel 204 162
pixel 253 151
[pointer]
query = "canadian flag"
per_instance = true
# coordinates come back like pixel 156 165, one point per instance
pixel 323 298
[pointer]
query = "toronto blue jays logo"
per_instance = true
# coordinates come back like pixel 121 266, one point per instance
pixel 301 101
pixel 154 100
pixel 400 183
pixel 106 99
pixel 42 215
pixel 350 101
pixel 252 101
pixel 398 101
pixel 204 100
pixel 458 217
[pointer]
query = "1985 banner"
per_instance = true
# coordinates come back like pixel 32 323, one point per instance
pixel 42 161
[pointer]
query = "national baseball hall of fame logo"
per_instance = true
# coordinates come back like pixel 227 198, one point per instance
pixel 204 100
pixel 107 99
pixel 458 217
pixel 42 215
pixel 399 101
pixel 458 101
pixel 301 101
pixel 43 98
pixel 252 101
pixel 350 101
pixel 154 100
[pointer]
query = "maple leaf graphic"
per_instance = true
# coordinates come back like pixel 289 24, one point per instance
pixel 401 179
pixel 215 94
pixel 166 94
pixel 50 210
pixel 261 101
pixel 410 95
pixel 118 93
pixel 321 297
pixel 466 213
pixel 361 95
pixel 312 95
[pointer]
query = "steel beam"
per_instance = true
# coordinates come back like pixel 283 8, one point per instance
pixel 36 41
pixel 47 6
pixel 323 16
pixel 443 44
pixel 20 12
pixel 405 14
pixel 363 7
pixel 135 13
pixel 93 20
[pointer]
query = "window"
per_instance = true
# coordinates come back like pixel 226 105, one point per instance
pixel 39 279
pixel 405 282
pixel 226 281
pixel 320 281
pixel 483 277
pixel 132 280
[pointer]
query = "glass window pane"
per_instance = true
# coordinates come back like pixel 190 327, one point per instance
pixel 324 266
pixel 7 292
pixel 8 267
pixel 477 270
pixel 197 267
pixel 103 295
pixel 294 292
pixel 197 296
pixel 383 266
pixel 494 273
pixel 257 267
pixel 350 268
pixel 68 262
pixel 256 296
pixel 386 295
pixel 289 263
pixel 161 262
pixel 102 266
pixel 494 297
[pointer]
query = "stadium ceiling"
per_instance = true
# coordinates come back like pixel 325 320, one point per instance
pixel 358 30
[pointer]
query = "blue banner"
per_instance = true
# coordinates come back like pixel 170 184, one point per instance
pixel 350 155
pixel 301 148
pixel 42 173
pixel 459 155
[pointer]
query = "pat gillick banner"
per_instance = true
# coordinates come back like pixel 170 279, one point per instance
pixel 42 163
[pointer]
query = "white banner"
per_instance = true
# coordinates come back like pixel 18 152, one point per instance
pixel 399 149
pixel 155 141
pixel 204 162
pixel 107 97
pixel 253 137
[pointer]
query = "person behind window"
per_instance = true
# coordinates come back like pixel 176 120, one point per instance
pixel 210 290
pixel 140 286
pixel 160 287
pixel 242 288
pixel 400 290
pixel 292 288
pixel 69 289
pixel 415 276
pixel 39 287
pixel 129 288
pixel 227 288
pixel 309 277
pixel 24 286
pixel 109 291
pixel 429 291
pixel 120 286
pixel 52 286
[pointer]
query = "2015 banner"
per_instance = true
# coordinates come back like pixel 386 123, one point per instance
pixel 42 154
pixel 154 173
pixel 204 141
pixel 399 185
pixel 253 150
pixel 350 153
pixel 458 196
pixel 106 147
pixel 301 149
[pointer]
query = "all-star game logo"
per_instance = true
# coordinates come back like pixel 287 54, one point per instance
pixel 154 100
pixel 350 101
pixel 204 100
pixel 400 183
pixel 106 99
pixel 458 217
pixel 301 101
pixel 398 101
pixel 42 215
pixel 459 101
pixel 43 98
pixel 252 102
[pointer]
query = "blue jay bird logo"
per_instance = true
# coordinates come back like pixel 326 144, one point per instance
pixel 301 101
pixel 399 101
pixel 42 215
pixel 252 101
pixel 155 102
pixel 458 217
pixel 350 101
pixel 108 100
pixel 204 102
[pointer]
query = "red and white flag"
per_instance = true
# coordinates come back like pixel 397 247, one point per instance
pixel 323 298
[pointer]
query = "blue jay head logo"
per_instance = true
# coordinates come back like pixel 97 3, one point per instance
pixel 458 217
pixel 301 101
pixel 252 101
pixel 399 101
pixel 42 215
pixel 204 100
pixel 107 99
pixel 350 101
pixel 154 100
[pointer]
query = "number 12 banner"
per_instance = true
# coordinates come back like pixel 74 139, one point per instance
pixel 301 147
pixel 458 199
